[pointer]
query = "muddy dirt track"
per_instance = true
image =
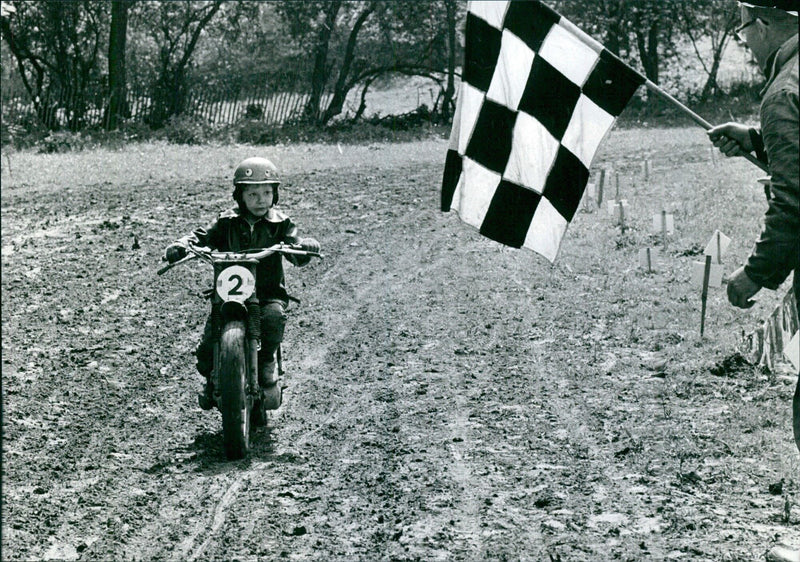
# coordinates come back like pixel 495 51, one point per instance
pixel 448 399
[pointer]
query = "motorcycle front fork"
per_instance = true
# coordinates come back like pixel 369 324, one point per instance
pixel 252 347
pixel 252 364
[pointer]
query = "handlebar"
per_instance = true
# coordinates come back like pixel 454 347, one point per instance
pixel 255 254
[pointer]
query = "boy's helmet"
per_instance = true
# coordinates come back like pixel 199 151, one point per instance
pixel 255 170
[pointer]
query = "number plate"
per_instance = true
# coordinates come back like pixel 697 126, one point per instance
pixel 235 283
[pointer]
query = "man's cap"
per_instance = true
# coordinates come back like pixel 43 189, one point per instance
pixel 791 6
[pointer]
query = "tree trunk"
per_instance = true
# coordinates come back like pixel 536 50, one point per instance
pixel 450 91
pixel 319 75
pixel 710 87
pixel 648 51
pixel 117 87
pixel 340 91
pixel 363 105
pixel 616 16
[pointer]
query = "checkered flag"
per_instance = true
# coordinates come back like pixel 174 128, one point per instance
pixel 537 97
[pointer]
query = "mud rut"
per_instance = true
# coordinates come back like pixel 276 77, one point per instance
pixel 432 412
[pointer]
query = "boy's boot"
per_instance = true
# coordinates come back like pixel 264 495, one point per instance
pixel 271 391
pixel 267 366
pixel 268 373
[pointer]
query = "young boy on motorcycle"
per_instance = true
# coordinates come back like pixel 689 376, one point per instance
pixel 253 223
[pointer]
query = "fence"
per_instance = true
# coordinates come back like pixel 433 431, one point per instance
pixel 219 106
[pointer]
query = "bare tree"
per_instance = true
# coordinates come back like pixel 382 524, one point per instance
pixel 56 47
pixel 354 43
pixel 176 27
pixel 716 21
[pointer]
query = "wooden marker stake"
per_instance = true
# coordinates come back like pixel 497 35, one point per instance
pixel 719 249
pixel 600 185
pixel 621 215
pixel 664 228
pixel 704 295
pixel 649 261
pixel 617 179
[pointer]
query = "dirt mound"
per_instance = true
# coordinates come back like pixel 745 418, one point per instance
pixel 730 366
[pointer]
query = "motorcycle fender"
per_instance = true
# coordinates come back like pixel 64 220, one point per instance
pixel 232 310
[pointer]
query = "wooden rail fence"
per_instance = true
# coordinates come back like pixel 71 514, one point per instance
pixel 217 106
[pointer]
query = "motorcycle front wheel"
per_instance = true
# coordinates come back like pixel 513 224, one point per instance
pixel 232 402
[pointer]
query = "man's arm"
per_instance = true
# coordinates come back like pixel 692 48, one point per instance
pixel 777 251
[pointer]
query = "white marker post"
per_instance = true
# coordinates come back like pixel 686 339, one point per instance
pixel 646 169
pixel 714 276
pixel 708 274
pixel 704 295
pixel 663 224
pixel 646 258
pixel 600 185
pixel 792 351
pixel 613 208
pixel 588 196
pixel 717 246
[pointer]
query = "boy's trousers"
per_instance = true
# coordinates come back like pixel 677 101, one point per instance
pixel 273 322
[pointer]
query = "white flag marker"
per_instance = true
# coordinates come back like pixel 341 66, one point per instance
pixel 792 351
pixel 715 274
pixel 717 246
pixel 663 223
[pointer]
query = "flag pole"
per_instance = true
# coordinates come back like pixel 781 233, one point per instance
pixel 598 47
pixel 696 118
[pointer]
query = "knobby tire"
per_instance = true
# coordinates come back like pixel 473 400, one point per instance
pixel 233 390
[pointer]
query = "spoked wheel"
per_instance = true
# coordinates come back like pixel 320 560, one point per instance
pixel 233 390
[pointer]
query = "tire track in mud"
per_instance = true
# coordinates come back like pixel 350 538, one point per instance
pixel 105 409
pixel 81 396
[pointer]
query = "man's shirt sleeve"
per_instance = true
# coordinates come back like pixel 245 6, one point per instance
pixel 777 251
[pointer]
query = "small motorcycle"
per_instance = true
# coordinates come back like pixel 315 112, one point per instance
pixel 236 317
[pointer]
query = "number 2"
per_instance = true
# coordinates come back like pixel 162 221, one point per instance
pixel 235 289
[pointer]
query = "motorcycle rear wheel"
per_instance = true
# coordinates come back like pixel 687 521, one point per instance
pixel 233 390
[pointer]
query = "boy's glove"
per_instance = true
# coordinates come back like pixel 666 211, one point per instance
pixel 174 253
pixel 310 245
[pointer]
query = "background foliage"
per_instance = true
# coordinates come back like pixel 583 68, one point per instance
pixel 224 63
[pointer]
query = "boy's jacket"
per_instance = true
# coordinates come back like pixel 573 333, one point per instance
pixel 231 231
